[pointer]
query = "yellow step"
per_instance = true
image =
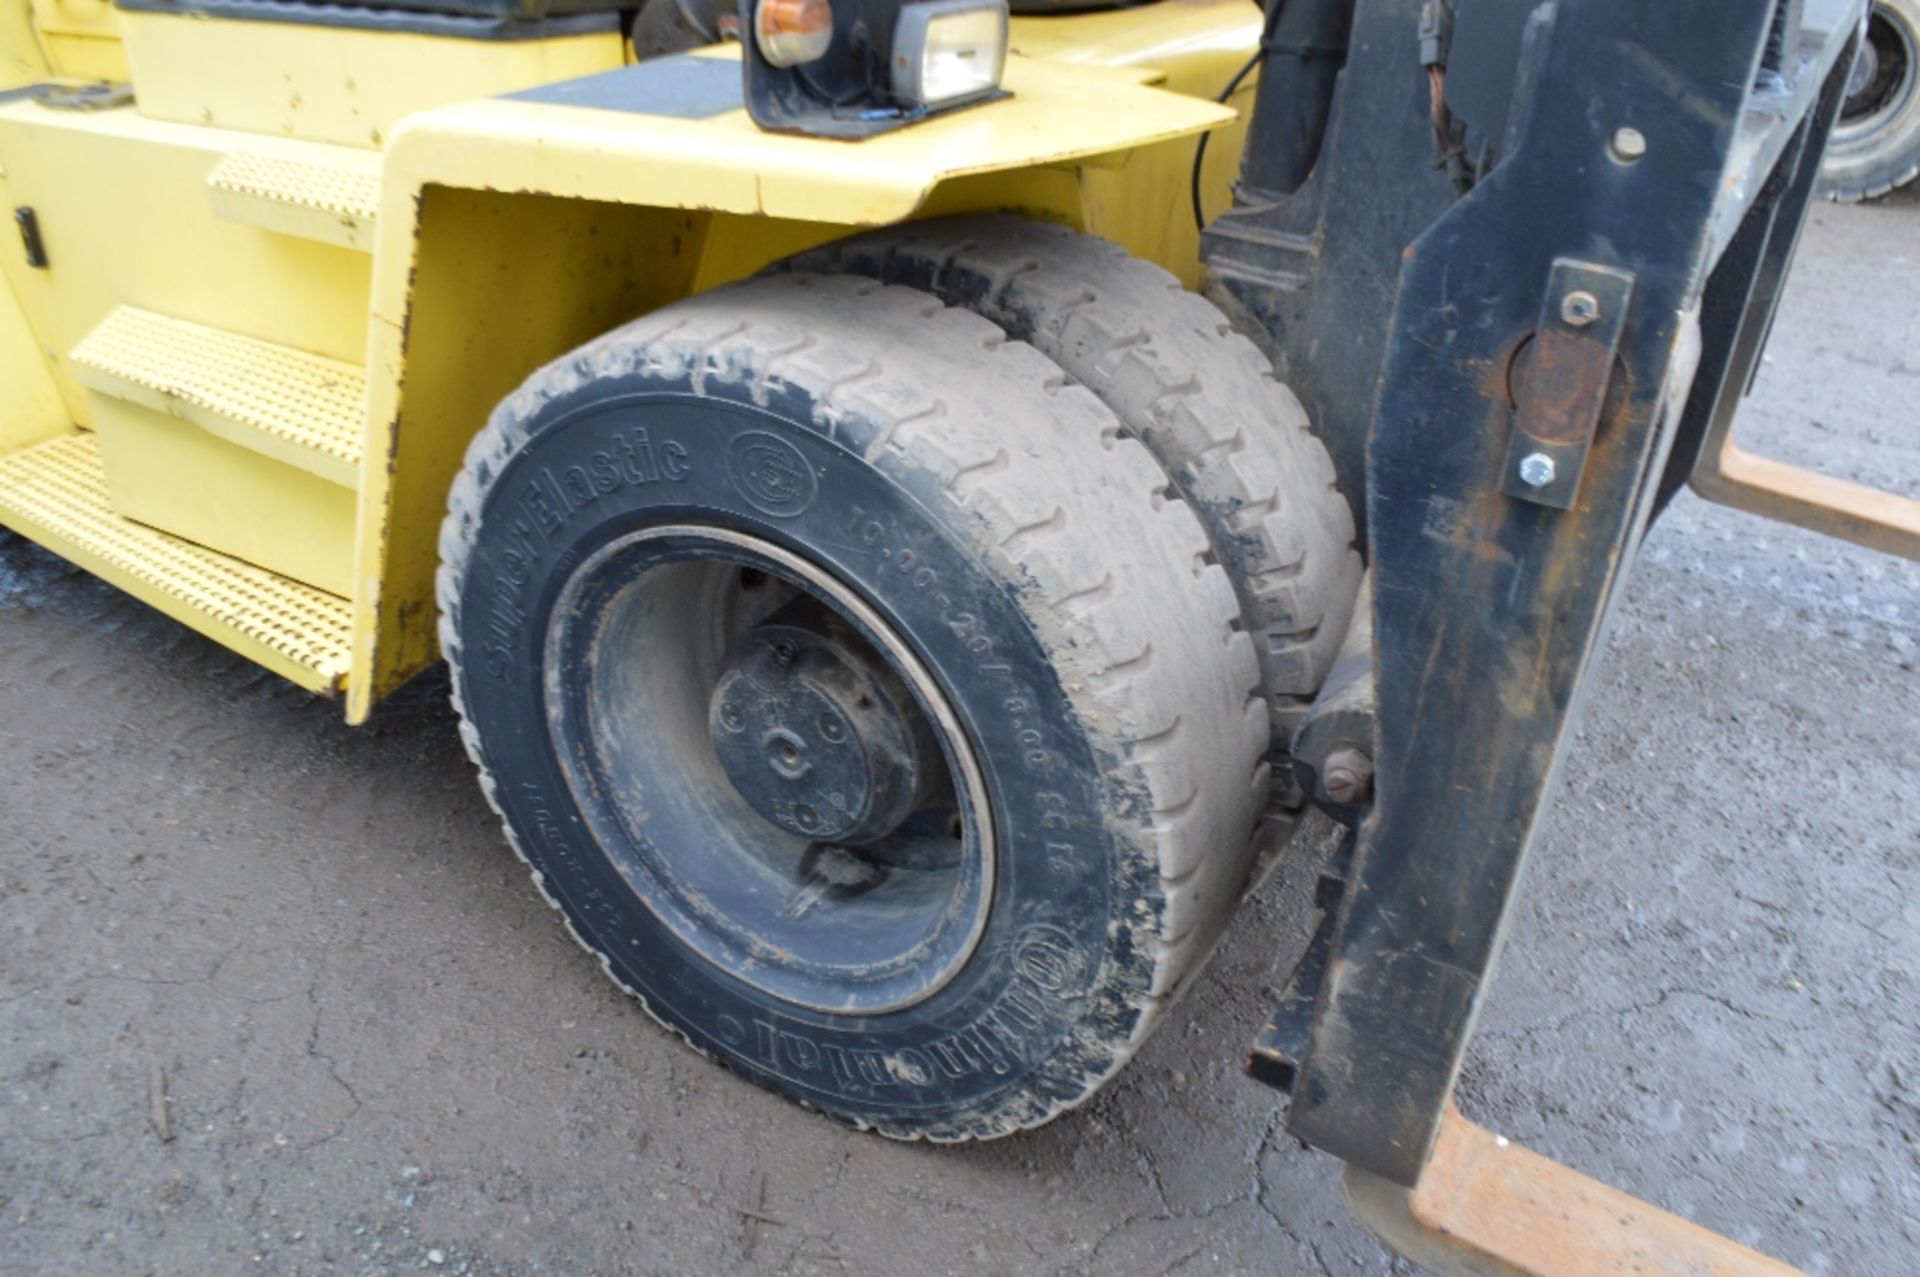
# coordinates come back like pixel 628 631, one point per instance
pixel 55 493
pixel 294 407
pixel 325 193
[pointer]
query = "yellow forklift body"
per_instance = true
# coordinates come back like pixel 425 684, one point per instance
pixel 690 204
pixel 80 38
pixel 283 291
pixel 329 84
pixel 30 405
pixel 22 60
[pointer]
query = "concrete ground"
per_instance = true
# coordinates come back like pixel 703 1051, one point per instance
pixel 380 1053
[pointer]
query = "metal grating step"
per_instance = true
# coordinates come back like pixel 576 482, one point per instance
pixel 298 408
pixel 332 196
pixel 56 493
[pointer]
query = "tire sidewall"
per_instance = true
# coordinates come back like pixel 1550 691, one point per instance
pixel 1855 167
pixel 1056 983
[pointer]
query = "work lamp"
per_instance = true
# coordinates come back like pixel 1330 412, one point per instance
pixel 854 68
pixel 949 51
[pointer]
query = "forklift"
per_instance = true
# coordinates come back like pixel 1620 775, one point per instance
pixel 917 500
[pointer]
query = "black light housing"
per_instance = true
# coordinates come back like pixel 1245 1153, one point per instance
pixel 888 63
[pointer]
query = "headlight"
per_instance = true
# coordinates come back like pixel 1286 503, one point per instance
pixel 945 51
pixel 790 32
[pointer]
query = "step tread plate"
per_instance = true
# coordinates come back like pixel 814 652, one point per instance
pixel 311 406
pixel 348 187
pixel 56 493
pixel 333 198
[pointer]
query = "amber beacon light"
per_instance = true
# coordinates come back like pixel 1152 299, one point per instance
pixel 793 32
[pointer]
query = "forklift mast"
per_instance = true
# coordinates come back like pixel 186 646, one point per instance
pixel 1520 260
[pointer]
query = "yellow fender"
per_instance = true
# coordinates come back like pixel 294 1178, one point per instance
pixel 513 229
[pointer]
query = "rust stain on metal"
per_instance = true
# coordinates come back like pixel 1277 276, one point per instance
pixel 1561 386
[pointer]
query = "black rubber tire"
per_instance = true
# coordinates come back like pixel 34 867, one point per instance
pixel 1877 151
pixel 1202 398
pixel 1124 842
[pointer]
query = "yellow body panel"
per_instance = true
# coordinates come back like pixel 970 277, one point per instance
pixel 724 163
pixel 489 236
pixel 746 198
pixel 1189 46
pixel 124 210
pixel 171 474
pixel 81 39
pixel 30 405
pixel 23 60
pixel 330 84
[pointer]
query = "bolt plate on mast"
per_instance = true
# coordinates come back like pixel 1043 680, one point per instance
pixel 1561 378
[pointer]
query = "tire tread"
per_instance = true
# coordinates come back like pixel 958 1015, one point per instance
pixel 1202 398
pixel 1092 550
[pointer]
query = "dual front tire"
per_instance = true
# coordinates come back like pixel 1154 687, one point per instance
pixel 864 694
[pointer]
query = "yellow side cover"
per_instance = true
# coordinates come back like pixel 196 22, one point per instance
pixel 291 214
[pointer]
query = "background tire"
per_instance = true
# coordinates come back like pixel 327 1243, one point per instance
pixel 1202 398
pixel 1058 592
pixel 1875 145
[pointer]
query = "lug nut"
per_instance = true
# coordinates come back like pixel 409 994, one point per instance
pixel 1537 470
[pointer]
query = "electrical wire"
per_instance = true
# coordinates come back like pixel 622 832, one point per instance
pixel 1200 149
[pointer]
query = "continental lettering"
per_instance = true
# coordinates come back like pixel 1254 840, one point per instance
pixel 1045 970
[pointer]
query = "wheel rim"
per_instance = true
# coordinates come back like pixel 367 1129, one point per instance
pixel 771 768
pixel 1881 87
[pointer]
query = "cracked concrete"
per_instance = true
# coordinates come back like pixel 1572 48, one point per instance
pixel 379 1045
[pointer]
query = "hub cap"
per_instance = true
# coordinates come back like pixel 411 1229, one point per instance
pixel 771 768
pixel 816 733
pixel 1881 83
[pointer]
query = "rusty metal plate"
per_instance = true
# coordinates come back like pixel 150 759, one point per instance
pixel 1561 381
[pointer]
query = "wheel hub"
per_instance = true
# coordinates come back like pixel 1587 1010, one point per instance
pixel 1881 80
pixel 814 731
pixel 829 841
pixel 1866 69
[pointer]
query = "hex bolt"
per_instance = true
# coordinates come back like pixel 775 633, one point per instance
pixel 1627 144
pixel 1536 470
pixel 1347 775
pixel 1579 308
